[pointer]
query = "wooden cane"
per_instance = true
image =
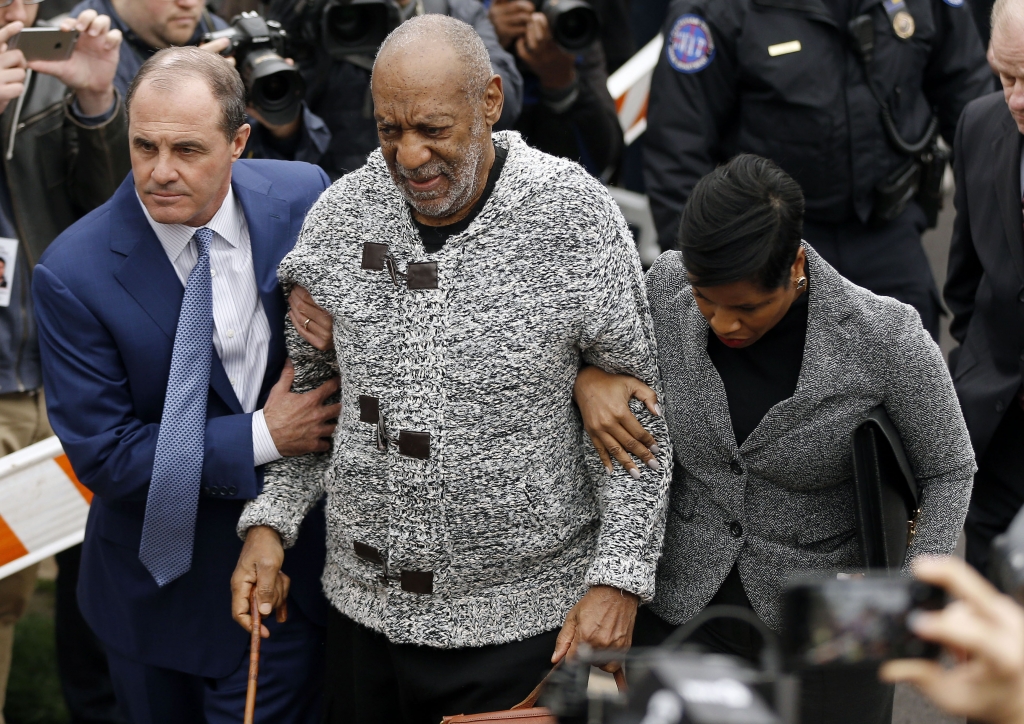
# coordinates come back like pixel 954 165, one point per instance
pixel 254 658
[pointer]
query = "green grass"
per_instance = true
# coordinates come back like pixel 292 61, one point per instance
pixel 33 692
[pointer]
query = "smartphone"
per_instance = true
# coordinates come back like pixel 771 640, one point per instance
pixel 45 43
pixel 855 622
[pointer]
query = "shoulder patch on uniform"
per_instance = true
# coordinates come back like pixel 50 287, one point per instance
pixel 954 3
pixel 690 47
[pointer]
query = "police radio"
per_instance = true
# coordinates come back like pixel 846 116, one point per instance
pixel 921 176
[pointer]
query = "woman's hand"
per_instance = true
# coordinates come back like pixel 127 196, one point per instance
pixel 988 684
pixel 311 322
pixel 603 400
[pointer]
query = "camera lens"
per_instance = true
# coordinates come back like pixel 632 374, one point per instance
pixel 574 23
pixel 346 23
pixel 354 27
pixel 274 87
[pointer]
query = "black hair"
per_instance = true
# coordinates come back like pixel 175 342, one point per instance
pixel 743 221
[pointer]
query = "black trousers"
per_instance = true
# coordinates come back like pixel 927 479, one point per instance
pixel 81 659
pixel 998 492
pixel 373 681
pixel 848 696
pixel 889 260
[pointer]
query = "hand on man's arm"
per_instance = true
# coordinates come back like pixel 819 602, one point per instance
pixel 90 70
pixel 311 322
pixel 301 423
pixel 603 400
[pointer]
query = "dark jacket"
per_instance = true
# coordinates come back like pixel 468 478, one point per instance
pixel 586 129
pixel 985 284
pixel 809 110
pixel 60 169
pixel 108 301
pixel 338 91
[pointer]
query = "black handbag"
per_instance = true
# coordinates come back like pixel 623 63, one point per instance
pixel 886 496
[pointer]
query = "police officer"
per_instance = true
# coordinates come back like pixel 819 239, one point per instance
pixel 338 84
pixel 847 96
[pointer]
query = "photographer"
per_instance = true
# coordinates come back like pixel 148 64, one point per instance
pixel 338 89
pixel 567 110
pixel 150 25
pixel 986 629
pixel 61 120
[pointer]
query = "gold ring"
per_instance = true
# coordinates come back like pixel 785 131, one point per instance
pixel 305 325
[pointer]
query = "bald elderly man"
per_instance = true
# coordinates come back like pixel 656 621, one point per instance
pixel 473 536
pixel 985 286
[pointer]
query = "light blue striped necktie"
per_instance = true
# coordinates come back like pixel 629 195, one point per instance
pixel 168 533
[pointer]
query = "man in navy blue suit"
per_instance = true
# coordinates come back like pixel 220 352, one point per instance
pixel 161 328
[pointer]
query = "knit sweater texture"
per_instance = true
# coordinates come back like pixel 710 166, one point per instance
pixel 512 512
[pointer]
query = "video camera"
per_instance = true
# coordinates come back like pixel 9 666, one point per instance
pixel 272 86
pixel 828 622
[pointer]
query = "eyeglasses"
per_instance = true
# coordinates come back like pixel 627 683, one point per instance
pixel 7 3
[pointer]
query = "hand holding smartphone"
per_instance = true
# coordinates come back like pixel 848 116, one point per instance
pixel 44 43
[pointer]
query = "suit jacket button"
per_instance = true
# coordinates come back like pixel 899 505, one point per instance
pixel 736 528
pixel 1000 406
pixel 736 467
pixel 232 490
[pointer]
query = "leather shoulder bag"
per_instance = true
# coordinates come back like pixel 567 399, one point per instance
pixel 526 711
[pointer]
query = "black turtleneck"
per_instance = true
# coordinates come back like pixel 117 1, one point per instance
pixel 760 376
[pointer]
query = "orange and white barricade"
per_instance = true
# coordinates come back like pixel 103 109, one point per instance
pixel 43 507
pixel 630 87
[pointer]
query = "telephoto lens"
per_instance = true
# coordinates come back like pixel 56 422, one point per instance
pixel 272 86
pixel 574 23
pixel 356 27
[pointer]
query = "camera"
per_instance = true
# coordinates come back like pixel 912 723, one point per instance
pixel 574 23
pixel 673 686
pixel 272 86
pixel 855 621
pixel 836 622
pixel 356 27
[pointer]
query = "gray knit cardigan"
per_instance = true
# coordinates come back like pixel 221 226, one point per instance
pixel 783 500
pixel 510 511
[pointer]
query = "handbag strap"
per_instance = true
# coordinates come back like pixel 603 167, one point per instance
pixel 531 700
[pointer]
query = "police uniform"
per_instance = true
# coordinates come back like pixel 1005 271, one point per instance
pixel 783 79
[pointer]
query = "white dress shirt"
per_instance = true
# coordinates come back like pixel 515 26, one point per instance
pixel 241 333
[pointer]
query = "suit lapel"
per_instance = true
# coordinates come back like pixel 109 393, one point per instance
pixel 269 221
pixel 1006 150
pixel 714 404
pixel 146 274
pixel 149 277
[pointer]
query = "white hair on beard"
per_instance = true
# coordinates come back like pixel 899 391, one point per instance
pixel 461 178
pixel 457 35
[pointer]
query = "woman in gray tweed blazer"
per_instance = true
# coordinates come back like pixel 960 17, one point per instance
pixel 761 414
